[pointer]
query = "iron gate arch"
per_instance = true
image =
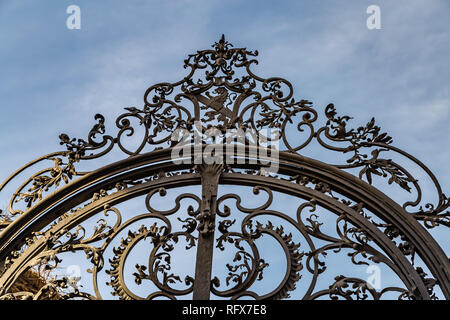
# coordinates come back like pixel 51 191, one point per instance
pixel 57 200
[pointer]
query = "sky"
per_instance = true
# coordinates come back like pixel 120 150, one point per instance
pixel 54 80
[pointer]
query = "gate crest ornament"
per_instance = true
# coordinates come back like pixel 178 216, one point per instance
pixel 49 213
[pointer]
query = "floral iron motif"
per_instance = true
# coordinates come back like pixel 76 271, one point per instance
pixel 221 91
pixel 222 99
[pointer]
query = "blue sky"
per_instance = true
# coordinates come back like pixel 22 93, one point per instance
pixel 52 77
pixel 54 80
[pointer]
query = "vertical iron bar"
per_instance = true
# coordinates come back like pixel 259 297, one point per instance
pixel 210 179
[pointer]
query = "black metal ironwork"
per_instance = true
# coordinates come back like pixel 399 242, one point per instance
pixel 220 92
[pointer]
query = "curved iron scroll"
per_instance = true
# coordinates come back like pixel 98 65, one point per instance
pixel 47 211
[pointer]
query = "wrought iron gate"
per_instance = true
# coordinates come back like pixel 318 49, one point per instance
pixel 49 213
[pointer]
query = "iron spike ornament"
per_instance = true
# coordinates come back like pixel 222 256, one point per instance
pixel 48 213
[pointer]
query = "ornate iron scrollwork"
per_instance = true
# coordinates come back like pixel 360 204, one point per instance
pixel 47 211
